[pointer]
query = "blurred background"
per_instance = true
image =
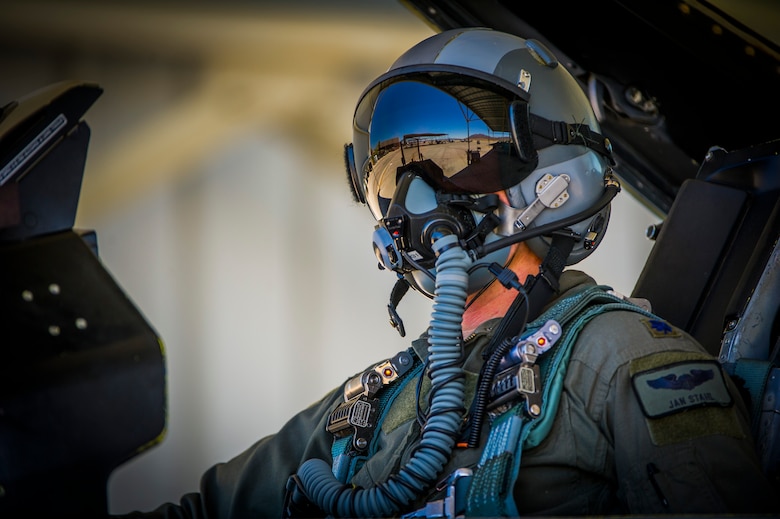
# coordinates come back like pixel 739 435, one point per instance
pixel 215 182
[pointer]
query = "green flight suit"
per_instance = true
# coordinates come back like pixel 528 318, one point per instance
pixel 614 447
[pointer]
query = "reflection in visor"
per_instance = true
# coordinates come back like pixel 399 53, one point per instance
pixel 459 141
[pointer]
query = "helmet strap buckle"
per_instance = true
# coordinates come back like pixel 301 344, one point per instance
pixel 547 133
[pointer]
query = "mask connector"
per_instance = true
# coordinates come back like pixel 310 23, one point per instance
pixel 505 276
pixel 385 249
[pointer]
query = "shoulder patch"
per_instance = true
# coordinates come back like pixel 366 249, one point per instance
pixel 676 387
pixel 683 395
pixel 659 328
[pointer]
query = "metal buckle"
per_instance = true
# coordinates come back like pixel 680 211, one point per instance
pixel 453 505
pixel 358 413
pixel 357 416
pixel 519 375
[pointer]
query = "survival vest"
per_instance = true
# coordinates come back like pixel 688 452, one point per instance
pixel 487 490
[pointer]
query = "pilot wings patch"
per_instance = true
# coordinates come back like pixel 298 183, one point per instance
pixel 694 378
pixel 679 386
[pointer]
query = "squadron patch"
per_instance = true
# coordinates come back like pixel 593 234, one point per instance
pixel 659 328
pixel 683 395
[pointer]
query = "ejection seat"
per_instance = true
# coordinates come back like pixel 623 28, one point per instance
pixel 714 271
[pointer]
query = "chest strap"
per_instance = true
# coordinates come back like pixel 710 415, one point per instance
pixel 513 427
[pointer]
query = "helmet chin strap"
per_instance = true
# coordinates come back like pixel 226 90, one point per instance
pixel 531 299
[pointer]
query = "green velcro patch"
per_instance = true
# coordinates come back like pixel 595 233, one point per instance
pixel 404 407
pixel 673 388
pixel 683 395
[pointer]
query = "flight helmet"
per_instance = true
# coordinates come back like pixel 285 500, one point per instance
pixel 485 135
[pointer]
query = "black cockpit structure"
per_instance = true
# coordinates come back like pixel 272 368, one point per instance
pixel 82 376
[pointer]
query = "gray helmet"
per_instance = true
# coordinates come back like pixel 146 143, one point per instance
pixel 475 111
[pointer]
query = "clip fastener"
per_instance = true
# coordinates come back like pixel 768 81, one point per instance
pixel 394 367
pixel 357 414
pixel 453 505
pixel 519 376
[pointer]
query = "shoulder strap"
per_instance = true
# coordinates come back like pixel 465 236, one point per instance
pixel 490 491
pixel 347 460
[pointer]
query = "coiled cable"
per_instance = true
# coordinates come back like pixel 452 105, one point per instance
pixel 445 414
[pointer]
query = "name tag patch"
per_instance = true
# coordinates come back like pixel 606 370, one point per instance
pixel 676 387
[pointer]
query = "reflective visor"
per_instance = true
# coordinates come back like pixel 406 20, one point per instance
pixel 453 130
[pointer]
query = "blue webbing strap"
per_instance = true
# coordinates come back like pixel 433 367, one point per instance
pixel 490 491
pixel 345 461
pixel 755 373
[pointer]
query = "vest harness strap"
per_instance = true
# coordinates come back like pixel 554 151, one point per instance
pixel 487 492
pixel 490 490
pixel 348 450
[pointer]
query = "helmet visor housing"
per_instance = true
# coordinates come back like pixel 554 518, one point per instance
pixel 458 132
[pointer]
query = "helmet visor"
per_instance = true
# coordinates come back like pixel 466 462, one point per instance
pixel 454 131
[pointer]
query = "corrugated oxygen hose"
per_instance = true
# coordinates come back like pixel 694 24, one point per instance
pixel 444 417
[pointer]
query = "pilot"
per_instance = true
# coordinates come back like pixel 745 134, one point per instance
pixel 534 389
